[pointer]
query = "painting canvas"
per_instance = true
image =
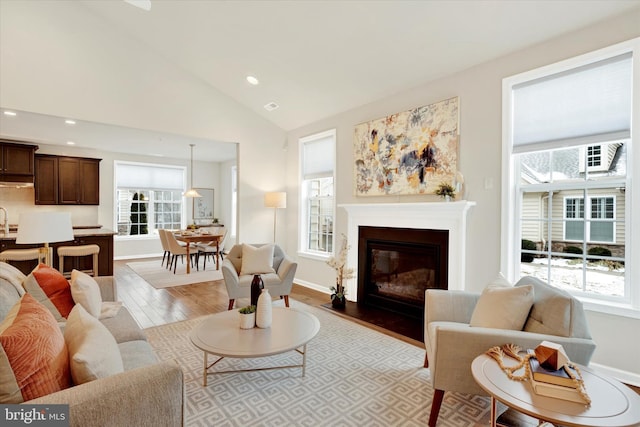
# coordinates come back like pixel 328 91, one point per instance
pixel 203 206
pixel 407 153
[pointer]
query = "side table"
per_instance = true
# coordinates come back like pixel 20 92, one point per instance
pixel 613 404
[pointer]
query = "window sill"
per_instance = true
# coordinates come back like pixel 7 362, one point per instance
pixel 616 309
pixel 314 256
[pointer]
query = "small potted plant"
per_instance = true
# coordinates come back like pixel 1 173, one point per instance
pixel 343 273
pixel 446 191
pixel 247 317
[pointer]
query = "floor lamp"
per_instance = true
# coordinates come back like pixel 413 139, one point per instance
pixel 275 200
pixel 44 227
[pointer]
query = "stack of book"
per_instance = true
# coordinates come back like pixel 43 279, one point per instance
pixel 557 384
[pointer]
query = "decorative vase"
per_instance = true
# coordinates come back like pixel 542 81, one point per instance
pixel 447 198
pixel 256 287
pixel 338 302
pixel 247 321
pixel 264 314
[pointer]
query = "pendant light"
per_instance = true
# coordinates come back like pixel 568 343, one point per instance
pixel 191 192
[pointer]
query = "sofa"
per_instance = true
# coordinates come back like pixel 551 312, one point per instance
pixel 460 325
pixel 243 261
pixel 148 392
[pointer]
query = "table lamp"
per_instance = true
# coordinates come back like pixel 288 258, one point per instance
pixel 44 227
pixel 275 200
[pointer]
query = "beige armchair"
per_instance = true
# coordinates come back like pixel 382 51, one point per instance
pixel 278 283
pixel 452 344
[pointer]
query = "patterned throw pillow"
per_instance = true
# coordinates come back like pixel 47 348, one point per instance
pixel 33 356
pixel 50 288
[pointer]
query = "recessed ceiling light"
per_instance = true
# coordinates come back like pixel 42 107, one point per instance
pixel 70 122
pixel 10 113
pixel 71 143
pixel 254 81
pixel 271 106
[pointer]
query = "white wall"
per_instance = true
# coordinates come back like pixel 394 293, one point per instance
pixel 480 92
pixel 60 59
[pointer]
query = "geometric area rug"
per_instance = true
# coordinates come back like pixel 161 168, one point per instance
pixel 355 376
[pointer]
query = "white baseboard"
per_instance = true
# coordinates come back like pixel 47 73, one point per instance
pixel 622 376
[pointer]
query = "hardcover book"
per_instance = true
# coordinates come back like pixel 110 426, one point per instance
pixel 557 391
pixel 559 377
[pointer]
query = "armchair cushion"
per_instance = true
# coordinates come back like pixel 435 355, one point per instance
pixel 257 260
pixel 503 307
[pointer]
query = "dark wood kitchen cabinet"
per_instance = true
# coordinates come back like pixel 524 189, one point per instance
pixel 67 180
pixel 16 162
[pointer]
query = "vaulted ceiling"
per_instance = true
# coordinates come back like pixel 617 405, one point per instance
pixel 315 59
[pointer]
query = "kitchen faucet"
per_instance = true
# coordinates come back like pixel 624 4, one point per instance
pixel 6 220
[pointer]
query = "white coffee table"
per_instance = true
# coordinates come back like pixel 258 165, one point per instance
pixel 220 335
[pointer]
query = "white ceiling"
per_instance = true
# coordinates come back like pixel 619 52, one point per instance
pixel 316 59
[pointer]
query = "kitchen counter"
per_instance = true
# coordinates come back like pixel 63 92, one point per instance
pixel 97 235
pixel 77 232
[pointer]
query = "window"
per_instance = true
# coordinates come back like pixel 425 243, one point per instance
pixel 567 161
pixel 148 197
pixel 317 160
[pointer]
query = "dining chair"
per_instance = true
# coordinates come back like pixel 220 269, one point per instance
pixel 176 249
pixel 212 248
pixel 165 246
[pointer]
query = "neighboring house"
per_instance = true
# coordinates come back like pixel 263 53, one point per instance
pixel 599 220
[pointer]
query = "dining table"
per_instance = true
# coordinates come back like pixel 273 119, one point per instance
pixel 190 237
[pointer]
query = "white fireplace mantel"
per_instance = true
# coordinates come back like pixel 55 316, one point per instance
pixel 451 216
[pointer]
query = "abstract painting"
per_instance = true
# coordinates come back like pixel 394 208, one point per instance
pixel 407 153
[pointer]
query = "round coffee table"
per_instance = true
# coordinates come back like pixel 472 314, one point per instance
pixel 612 403
pixel 220 335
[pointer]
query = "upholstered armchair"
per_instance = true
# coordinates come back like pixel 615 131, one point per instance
pixel 238 279
pixel 452 342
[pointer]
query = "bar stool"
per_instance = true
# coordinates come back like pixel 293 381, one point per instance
pixel 79 251
pixel 23 255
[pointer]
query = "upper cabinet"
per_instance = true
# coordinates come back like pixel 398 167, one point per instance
pixel 16 162
pixel 67 180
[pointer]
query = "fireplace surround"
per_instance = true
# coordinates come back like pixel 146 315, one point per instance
pixel 449 216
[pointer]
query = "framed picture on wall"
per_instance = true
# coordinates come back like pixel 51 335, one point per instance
pixel 203 206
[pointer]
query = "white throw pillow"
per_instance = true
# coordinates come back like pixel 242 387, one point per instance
pixel 86 292
pixel 13 276
pixel 257 260
pixel 503 308
pixel 93 351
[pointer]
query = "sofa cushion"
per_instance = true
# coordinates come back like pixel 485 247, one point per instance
pixel 554 311
pixel 13 276
pixel 503 307
pixel 123 327
pixel 49 287
pixel 136 354
pixel 85 291
pixel 93 351
pixel 33 358
pixel 8 297
pixel 257 260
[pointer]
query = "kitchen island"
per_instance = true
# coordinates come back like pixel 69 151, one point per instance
pixel 86 235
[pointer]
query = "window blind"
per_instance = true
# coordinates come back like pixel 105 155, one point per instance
pixel 584 105
pixel 149 176
pixel 318 157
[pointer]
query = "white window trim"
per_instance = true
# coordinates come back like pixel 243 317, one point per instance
pixel 302 206
pixel 510 212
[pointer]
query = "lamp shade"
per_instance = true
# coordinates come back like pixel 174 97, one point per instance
pixel 275 199
pixel 44 227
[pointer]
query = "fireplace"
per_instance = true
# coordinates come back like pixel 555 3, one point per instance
pixel 397 265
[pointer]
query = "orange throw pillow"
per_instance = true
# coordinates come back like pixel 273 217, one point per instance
pixel 56 287
pixel 34 360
